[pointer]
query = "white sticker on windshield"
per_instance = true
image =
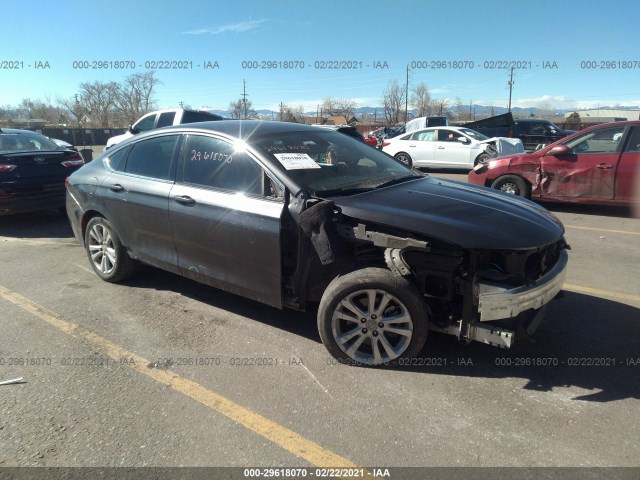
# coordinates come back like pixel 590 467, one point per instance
pixel 296 161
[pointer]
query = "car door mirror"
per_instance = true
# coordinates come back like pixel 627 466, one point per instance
pixel 463 139
pixel 133 129
pixel 559 151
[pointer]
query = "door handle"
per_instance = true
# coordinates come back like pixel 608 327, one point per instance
pixel 116 187
pixel 604 166
pixel 440 148
pixel 184 200
pixel 413 145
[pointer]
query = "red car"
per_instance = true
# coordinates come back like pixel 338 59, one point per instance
pixel 596 165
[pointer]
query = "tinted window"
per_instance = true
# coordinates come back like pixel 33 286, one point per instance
pixel 211 162
pixel 152 158
pixel 448 135
pixel 117 160
pixel 424 136
pixel 634 140
pixel 25 142
pixel 166 119
pixel 604 140
pixel 192 117
pixel 146 123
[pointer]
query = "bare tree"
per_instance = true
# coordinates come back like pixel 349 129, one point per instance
pixel 135 96
pixel 100 99
pixel 421 99
pixel 393 102
pixel 460 109
pixel 440 107
pixel 338 107
pixel 41 109
pixel 77 110
pixel 242 109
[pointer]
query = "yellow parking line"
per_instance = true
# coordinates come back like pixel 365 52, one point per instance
pixel 627 232
pixel 272 431
pixel 603 293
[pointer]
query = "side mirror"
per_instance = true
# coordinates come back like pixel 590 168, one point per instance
pixel 133 130
pixel 559 151
pixel 463 139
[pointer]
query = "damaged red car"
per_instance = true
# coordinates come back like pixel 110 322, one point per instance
pixel 597 165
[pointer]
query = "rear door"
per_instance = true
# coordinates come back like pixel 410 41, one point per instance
pixel 589 171
pixel 421 146
pixel 136 198
pixel 226 220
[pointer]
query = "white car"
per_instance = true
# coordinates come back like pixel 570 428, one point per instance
pixel 162 118
pixel 442 147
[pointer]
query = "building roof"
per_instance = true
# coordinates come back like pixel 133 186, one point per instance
pixel 606 113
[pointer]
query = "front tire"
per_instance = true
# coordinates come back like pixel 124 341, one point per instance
pixel 513 184
pixel 108 257
pixel 482 158
pixel 372 317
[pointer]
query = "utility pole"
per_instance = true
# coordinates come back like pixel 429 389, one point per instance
pixel 244 97
pixel 406 97
pixel 510 87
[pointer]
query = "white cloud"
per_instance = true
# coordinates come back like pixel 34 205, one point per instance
pixel 231 27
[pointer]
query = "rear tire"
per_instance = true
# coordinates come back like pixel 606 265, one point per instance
pixel 404 158
pixel 372 317
pixel 107 256
pixel 513 184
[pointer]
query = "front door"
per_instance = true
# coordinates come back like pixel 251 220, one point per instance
pixel 589 170
pixel 225 221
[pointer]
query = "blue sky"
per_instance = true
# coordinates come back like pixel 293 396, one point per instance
pixel 394 33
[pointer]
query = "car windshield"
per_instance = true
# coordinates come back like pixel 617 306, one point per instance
pixel 473 134
pixel 25 142
pixel 330 163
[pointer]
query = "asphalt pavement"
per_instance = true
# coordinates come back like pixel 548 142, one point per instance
pixel 161 371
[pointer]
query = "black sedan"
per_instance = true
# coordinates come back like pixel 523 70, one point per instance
pixel 291 215
pixel 33 170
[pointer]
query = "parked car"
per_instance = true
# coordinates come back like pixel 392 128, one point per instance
pixel 535 133
pixel 421 123
pixel 290 214
pixel 373 137
pixel 441 147
pixel 163 118
pixel 32 171
pixel 348 130
pixel 596 165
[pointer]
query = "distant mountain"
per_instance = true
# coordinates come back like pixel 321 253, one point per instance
pixel 479 111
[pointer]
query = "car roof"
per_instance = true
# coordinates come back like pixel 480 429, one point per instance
pixel 17 130
pixel 236 128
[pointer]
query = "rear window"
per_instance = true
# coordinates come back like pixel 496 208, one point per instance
pixel 193 117
pixel 25 142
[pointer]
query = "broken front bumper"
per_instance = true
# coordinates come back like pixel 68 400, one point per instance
pixel 496 302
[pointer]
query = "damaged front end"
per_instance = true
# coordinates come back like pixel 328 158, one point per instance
pixel 493 297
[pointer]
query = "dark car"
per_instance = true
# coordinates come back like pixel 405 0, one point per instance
pixel 535 133
pixel 33 170
pixel 597 165
pixel 348 130
pixel 289 215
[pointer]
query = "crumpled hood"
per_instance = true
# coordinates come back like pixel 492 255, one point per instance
pixel 457 212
